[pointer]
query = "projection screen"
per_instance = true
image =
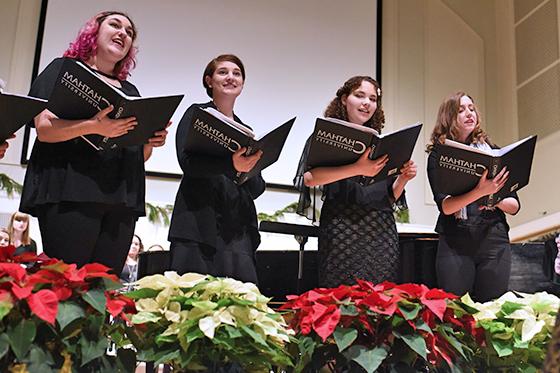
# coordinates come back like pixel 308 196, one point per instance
pixel 296 54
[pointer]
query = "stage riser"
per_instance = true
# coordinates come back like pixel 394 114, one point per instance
pixel 277 270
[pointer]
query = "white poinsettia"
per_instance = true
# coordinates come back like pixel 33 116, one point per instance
pixel 199 312
pixel 516 323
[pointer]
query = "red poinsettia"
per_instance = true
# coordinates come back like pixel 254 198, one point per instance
pixel 427 321
pixel 42 283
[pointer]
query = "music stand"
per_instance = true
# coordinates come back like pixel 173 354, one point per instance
pixel 301 234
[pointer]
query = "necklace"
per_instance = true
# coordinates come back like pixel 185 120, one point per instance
pixel 104 74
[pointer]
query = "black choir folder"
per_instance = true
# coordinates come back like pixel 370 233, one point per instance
pixel 213 133
pixel 80 94
pixel 336 142
pixel 16 111
pixel 460 166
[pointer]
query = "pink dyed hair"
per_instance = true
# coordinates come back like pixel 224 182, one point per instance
pixel 85 44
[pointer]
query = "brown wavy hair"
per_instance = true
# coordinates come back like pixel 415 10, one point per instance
pixel 336 108
pixel 446 123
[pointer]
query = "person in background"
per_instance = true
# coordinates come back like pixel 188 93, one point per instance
pixel 87 202
pixel 3 148
pixel 129 273
pixel 155 247
pixel 18 229
pixel 4 237
pixel 358 235
pixel 474 253
pixel 214 224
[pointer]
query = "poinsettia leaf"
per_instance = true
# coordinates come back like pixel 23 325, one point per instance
pixel 344 337
pixel 519 343
pixel 233 332
pixel 502 347
pixel 421 325
pixel 168 357
pixel 370 360
pixel 44 304
pixel 21 292
pixel 143 293
pixel 449 337
pixel 414 341
pixel 21 336
pixel 348 310
pixel 111 284
pixel 68 312
pixel 4 344
pixel 40 360
pixel 6 303
pixel 145 317
pixel 410 311
pixel 510 307
pixel 437 306
pixel 256 336
pixel 96 299
pixel 92 349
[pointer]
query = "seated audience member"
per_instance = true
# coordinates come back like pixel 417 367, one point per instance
pixel 18 229
pixel 130 270
pixel 4 237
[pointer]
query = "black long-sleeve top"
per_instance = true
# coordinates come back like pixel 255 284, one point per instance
pixel 208 203
pixel 73 171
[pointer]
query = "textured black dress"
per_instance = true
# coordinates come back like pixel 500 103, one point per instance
pixel 214 224
pixel 358 236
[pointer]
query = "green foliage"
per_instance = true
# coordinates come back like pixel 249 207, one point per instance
pixel 159 214
pixel 402 215
pixel 9 185
pixel 291 208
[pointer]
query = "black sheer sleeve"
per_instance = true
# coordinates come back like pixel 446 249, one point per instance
pixel 399 203
pixel 307 195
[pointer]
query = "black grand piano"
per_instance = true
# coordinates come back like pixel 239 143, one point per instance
pixel 284 272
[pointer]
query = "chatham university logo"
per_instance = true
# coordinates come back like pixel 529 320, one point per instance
pixel 84 91
pixel 340 141
pixel 461 165
pixel 216 135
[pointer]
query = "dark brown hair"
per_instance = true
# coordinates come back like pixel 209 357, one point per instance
pixel 336 108
pixel 212 65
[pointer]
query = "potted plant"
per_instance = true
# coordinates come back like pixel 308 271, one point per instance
pixel 201 323
pixel 54 317
pixel 517 328
pixel 384 327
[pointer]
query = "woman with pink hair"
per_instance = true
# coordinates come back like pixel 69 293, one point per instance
pixel 87 202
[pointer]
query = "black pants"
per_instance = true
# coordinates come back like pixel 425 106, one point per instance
pixel 479 264
pixel 84 233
